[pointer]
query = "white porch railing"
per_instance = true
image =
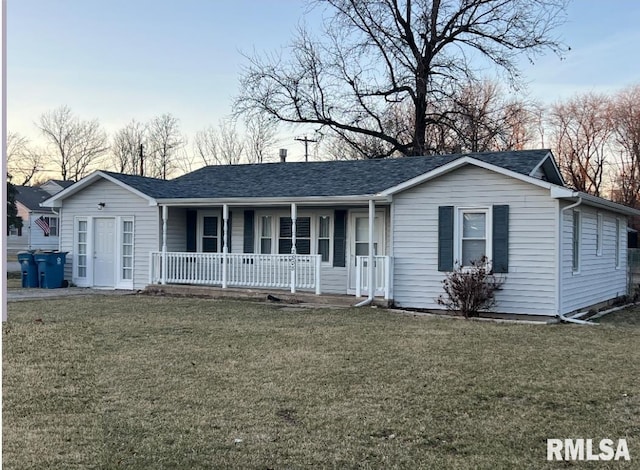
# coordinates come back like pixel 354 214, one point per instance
pixel 381 279
pixel 242 270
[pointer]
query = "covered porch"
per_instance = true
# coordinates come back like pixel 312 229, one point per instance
pixel 302 246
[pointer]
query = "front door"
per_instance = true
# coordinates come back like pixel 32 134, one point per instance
pixel 104 242
pixel 359 241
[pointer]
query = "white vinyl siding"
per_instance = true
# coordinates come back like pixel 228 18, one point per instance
pixel 598 279
pixel 37 238
pixel 531 281
pixel 119 203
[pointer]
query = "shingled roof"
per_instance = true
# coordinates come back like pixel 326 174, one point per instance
pixel 314 179
pixel 31 197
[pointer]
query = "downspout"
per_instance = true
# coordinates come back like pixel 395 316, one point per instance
pixel 561 316
pixel 371 273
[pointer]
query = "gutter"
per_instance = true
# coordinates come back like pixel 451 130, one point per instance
pixel 560 315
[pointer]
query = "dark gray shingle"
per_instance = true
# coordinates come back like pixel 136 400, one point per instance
pixel 299 179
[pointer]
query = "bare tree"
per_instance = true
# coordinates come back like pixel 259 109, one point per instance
pixel 626 117
pixel 205 146
pixel 165 140
pixel 23 161
pixel 128 147
pixel 78 144
pixel 486 119
pixel 231 145
pixel 581 130
pixel 375 54
pixel 261 133
pixel 221 146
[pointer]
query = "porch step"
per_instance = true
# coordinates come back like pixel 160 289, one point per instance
pixel 263 295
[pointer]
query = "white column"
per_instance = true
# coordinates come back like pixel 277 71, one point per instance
pixel 225 246
pixel 165 217
pixel 294 217
pixel 372 269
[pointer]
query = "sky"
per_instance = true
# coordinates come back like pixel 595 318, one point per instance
pixel 117 60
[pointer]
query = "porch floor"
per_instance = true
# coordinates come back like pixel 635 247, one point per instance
pixel 263 295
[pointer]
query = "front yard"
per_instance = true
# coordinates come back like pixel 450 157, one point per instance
pixel 142 382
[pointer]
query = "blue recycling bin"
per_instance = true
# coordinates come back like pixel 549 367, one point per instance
pixel 29 269
pixel 50 268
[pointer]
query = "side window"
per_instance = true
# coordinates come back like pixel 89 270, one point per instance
pixel 575 242
pixel 81 248
pixel 473 236
pixel 266 235
pixel 324 237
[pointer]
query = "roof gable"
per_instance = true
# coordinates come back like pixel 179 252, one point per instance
pixel 137 185
pixel 31 197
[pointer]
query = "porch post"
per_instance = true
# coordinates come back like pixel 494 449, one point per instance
pixel 225 246
pixel 294 216
pixel 372 270
pixel 165 216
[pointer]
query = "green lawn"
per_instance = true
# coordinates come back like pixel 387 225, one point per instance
pixel 142 382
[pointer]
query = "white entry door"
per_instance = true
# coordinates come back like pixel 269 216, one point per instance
pixel 104 256
pixel 359 240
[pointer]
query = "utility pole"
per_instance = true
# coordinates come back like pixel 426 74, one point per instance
pixel 141 161
pixel 306 146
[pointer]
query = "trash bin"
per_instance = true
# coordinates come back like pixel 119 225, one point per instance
pixel 29 269
pixel 50 268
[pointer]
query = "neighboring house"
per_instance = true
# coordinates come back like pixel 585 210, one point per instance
pixel 560 250
pixel 40 227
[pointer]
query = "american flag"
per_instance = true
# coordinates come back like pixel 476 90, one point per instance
pixel 42 223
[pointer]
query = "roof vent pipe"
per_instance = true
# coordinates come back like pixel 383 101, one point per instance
pixel 283 155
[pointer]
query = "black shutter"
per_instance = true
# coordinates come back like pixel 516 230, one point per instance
pixel 500 239
pixel 249 231
pixel 340 238
pixel 20 231
pixel 445 238
pixel 192 220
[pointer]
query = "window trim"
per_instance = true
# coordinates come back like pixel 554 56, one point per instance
pixel 576 241
pixel 260 236
pixel 317 238
pixel 458 231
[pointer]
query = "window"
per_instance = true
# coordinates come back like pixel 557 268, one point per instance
pixel 81 248
pixel 473 229
pixel 575 245
pixel 617 243
pixel 53 226
pixel 49 226
pixel 127 249
pixel 599 235
pixel 210 236
pixel 324 238
pixel 303 235
pixel 13 231
pixel 266 237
